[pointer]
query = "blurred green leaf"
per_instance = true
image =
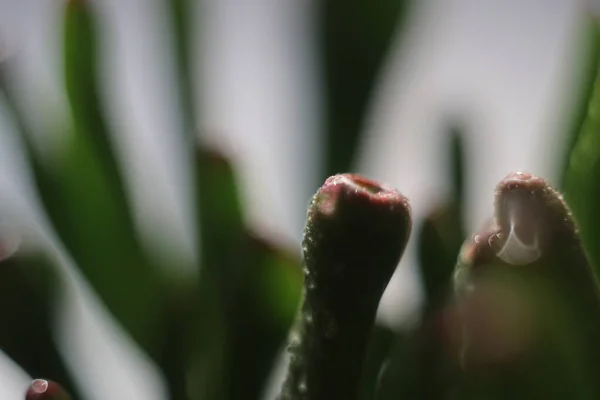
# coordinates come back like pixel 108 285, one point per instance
pixel 442 232
pixel 90 216
pixel 29 285
pixel 419 366
pixel 180 12
pixel 83 192
pixel 587 85
pixel 221 222
pixel 440 239
pixel 354 38
pixel 264 310
pixel 582 176
pixel 85 197
pixel 249 290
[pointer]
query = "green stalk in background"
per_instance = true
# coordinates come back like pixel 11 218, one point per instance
pixel 354 237
pixel 354 38
pixel 262 313
pixel 88 203
pixel 442 232
pixel 83 191
pixel 419 366
pixel 249 291
pixel 581 180
pixel 587 85
pixel 222 233
pixel 180 11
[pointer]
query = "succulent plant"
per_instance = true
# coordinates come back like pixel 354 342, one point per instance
pixel 529 298
pixel 355 234
pixel 513 311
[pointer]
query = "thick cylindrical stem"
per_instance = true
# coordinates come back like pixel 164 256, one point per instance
pixel 354 237
pixel 531 304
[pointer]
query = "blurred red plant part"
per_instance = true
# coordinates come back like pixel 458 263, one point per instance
pixel 41 389
pixel 493 325
pixel 490 317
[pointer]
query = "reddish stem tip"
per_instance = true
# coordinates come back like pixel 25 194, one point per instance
pixel 41 389
pixel 337 187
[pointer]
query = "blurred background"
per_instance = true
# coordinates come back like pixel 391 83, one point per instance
pixel 290 92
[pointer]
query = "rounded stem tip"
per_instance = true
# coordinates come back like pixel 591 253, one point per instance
pixel 342 188
pixel 532 218
pixel 41 389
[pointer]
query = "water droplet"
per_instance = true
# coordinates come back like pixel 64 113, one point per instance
pixel 302 389
pixel 477 239
pixel 295 341
pixel 308 318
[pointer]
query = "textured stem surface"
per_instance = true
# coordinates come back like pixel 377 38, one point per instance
pixel 532 309
pixel 354 237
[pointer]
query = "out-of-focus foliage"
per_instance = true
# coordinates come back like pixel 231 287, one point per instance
pixel 581 183
pixel 218 336
pixel 355 38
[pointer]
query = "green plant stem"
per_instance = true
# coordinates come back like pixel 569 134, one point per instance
pixel 587 88
pixel 581 180
pixel 355 234
pixel 532 295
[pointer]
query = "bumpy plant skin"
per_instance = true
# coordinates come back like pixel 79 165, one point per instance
pixel 529 298
pixel 354 237
pixel 41 389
